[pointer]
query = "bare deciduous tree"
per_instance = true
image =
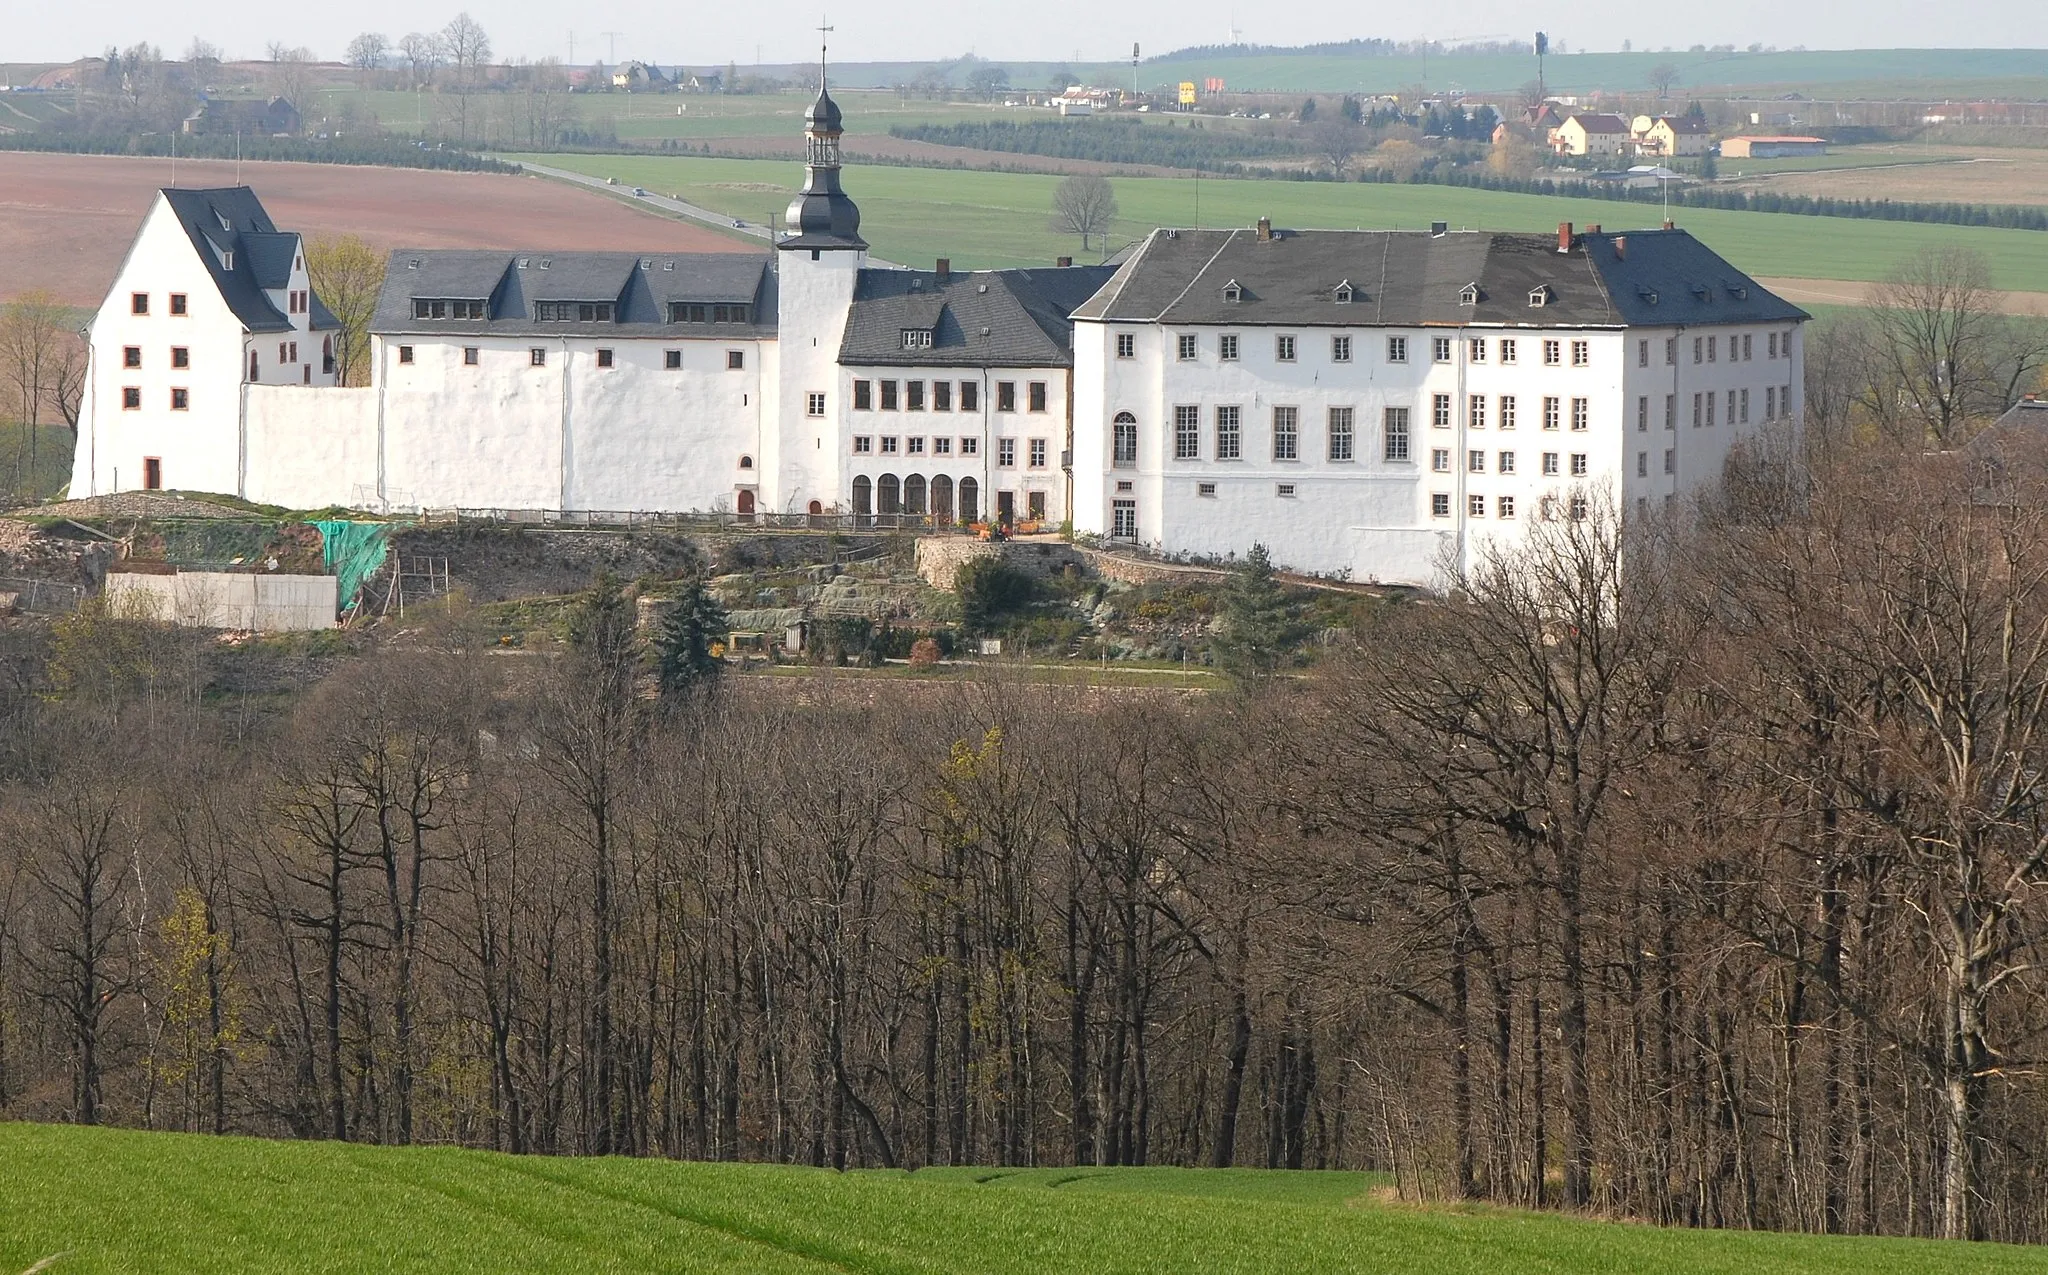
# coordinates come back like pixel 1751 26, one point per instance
pixel 1084 205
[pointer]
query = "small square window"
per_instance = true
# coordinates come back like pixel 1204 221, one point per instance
pixel 181 356
pixel 1475 506
pixel 1397 349
pixel 1126 345
pixel 970 446
pixel 181 398
pixel 1205 489
pixel 537 356
pixel 178 307
pixel 405 354
pixel 138 303
pixel 891 444
pixel 814 404
pixel 131 356
pixel 863 444
pixel 735 360
pixel 942 446
pixel 604 358
pixel 470 354
pixel 673 361
pixel 1285 491
pixel 131 398
pixel 1440 504
pixel 915 446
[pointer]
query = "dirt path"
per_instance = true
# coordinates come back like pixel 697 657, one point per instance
pixel 1850 292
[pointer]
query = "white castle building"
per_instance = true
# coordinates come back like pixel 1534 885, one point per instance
pixel 1359 401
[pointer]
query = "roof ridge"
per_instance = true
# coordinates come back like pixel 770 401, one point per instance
pixel 1229 237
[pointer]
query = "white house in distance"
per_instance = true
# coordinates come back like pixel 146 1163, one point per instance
pixel 1356 400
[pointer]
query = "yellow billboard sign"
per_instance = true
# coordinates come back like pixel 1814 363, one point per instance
pixel 1187 92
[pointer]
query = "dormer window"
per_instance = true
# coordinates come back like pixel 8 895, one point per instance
pixel 1539 296
pixel 1343 293
pixel 225 224
pixel 572 312
pixel 1232 292
pixel 1469 294
pixel 227 259
pixel 423 308
pixel 1737 291
pixel 1649 295
pixel 708 312
pixel 1703 292
pixel 917 338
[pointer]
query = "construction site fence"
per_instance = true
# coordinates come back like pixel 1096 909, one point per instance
pixel 718 521
pixel 43 597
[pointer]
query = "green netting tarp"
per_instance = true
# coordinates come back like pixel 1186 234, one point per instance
pixel 353 551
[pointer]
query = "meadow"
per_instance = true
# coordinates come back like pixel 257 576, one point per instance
pixel 122 1201
pixel 988 220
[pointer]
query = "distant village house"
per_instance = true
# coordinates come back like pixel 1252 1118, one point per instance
pixel 218 117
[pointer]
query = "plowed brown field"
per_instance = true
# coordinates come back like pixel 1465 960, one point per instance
pixel 66 220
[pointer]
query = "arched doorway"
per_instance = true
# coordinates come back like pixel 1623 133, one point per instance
pixel 818 506
pixel 746 504
pixel 863 501
pixel 970 492
pixel 942 499
pixel 913 494
pixel 888 495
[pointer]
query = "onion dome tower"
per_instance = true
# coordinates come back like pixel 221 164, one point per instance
pixel 821 216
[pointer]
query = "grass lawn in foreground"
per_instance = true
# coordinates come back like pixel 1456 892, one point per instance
pixel 117 1201
pixel 987 220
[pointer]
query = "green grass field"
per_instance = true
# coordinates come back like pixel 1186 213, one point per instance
pixel 987 220
pixel 138 1202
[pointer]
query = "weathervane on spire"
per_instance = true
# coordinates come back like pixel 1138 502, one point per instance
pixel 823 31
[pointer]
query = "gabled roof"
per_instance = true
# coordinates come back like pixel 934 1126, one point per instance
pixel 1597 123
pixel 1682 124
pixel 1415 278
pixel 234 236
pixel 640 286
pixel 983 318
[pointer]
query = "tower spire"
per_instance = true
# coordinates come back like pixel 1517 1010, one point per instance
pixel 824 31
pixel 821 216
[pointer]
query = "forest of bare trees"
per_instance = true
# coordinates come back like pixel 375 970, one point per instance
pixel 1686 871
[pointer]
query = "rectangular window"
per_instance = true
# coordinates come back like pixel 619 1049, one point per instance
pixel 1579 507
pixel 917 338
pixel 1582 353
pixel 405 354
pixel 1745 405
pixel 970 446
pixel 863 390
pixel 1671 411
pixel 1440 349
pixel 1394 424
pixel 1504 507
pixel 1439 504
pixel 1036 397
pixel 1124 442
pixel 889 399
pixel 1475 350
pixel 1643 353
pixel 1578 464
pixel 181 398
pixel 970 396
pixel 537 356
pixel 131 356
pixel 1123 519
pixel 1440 460
pixel 1507 411
pixel 942 396
pixel 1710 409
pixel 735 360
pixel 1187 433
pixel 1229 434
pixel 1581 413
pixel 1643 414
pixel 1550 462
pixel 1699 346
pixel 1748 347
pixel 1770 345
pixel 1205 489
pixel 1475 462
pixel 891 445
pixel 913 396
pixel 863 444
pixel 1642 464
pixel 1670 460
pixel 138 303
pixel 1785 398
pixel 153 473
pixel 914 446
pixel 1550 412
pixel 470 354
pixel 1340 434
pixel 1505 462
pixel 1440 411
pixel 1551 353
pixel 1770 402
pixel 1475 506
pixel 1006 396
pixel 1284 490
pixel 1189 347
pixel 181 356
pixel 1340 349
pixel 1126 345
pixel 1286 433
pixel 942 446
pixel 1283 348
pixel 564 311
pixel 1397 349
pixel 1670 351
pixel 1713 349
pixel 1006 452
pixel 673 361
pixel 1507 351
pixel 604 358
pixel 1475 412
pixel 1226 347
pixel 131 398
pixel 178 307
pixel 814 404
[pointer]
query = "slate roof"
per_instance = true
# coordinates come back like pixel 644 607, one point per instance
pixel 1599 123
pixel 228 223
pixel 639 285
pixel 1656 278
pixel 981 318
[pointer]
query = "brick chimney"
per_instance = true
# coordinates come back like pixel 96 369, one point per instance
pixel 945 270
pixel 1621 247
pixel 1670 224
pixel 1064 262
pixel 1265 229
pixel 1564 236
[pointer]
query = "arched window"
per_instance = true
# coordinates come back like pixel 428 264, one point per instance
pixel 746 462
pixel 913 494
pixel 818 506
pixel 888 495
pixel 863 496
pixel 942 498
pixel 1124 441
pixel 970 492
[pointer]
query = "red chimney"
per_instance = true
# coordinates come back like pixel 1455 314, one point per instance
pixel 945 269
pixel 1670 224
pixel 1564 236
pixel 1621 247
pixel 1593 229
pixel 1064 262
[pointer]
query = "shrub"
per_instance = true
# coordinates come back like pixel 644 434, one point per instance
pixel 924 654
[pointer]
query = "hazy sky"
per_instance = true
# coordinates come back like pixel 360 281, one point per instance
pixel 871 30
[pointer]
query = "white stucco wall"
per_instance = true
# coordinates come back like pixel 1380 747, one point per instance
pixel 801 459
pixel 307 449
pixel 227 600
pixel 987 426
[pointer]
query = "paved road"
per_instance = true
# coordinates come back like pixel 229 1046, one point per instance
pixel 677 206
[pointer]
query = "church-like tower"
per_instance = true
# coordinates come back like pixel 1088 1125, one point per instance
pixel 821 217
